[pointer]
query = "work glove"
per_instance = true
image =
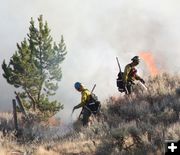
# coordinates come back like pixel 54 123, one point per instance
pixel 142 81
pixel 73 109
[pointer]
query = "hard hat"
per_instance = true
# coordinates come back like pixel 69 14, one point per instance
pixel 135 59
pixel 77 85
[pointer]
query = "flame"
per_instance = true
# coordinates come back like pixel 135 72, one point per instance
pixel 149 59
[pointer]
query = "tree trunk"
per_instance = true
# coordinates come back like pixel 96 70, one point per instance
pixel 15 114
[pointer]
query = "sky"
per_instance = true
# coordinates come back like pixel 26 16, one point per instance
pixel 95 32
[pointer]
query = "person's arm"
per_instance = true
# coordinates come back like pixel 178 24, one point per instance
pixel 84 99
pixel 137 77
pixel 77 106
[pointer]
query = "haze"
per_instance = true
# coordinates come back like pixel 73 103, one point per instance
pixel 95 32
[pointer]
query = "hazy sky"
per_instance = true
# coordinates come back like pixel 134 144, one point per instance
pixel 95 32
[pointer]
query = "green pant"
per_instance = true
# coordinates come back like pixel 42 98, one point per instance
pixel 129 87
pixel 86 114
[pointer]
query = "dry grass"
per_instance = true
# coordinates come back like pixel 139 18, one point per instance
pixel 136 125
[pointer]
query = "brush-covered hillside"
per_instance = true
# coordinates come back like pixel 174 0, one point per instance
pixel 128 125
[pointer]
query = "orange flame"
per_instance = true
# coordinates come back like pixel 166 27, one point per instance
pixel 149 59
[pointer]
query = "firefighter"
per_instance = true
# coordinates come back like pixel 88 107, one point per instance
pixel 90 105
pixel 130 75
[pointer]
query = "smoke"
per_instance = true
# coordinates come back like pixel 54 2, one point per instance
pixel 95 33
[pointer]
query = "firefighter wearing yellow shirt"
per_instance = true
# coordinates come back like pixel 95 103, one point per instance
pixel 130 75
pixel 88 105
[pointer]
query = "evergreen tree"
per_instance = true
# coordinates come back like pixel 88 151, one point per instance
pixel 35 68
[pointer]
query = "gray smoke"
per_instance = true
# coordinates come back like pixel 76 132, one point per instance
pixel 95 33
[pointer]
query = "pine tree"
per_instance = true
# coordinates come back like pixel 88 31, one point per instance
pixel 35 68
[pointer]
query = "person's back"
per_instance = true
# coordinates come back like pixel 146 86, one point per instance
pixel 85 96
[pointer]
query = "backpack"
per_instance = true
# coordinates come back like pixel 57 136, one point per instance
pixel 120 82
pixel 94 104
